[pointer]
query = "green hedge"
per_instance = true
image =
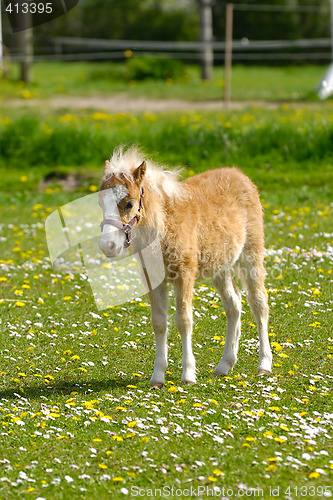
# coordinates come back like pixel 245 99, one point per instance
pixel 199 141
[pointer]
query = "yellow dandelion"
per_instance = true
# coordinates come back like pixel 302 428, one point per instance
pixel 173 389
pixel 117 438
pixel 129 436
pixel 277 346
pixel 284 427
pixel 280 440
pixel 271 467
pixel 314 475
pixel 67 118
pixel 26 94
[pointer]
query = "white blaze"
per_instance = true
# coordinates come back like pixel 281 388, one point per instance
pixel 111 198
pixel 119 192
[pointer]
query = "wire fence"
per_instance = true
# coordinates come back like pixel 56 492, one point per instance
pixel 245 50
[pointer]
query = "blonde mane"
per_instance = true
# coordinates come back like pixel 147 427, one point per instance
pixel 158 180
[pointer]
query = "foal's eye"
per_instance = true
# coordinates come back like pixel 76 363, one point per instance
pixel 129 205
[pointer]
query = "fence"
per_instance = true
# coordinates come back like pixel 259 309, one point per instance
pixel 76 49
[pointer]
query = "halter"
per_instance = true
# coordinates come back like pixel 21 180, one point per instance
pixel 127 228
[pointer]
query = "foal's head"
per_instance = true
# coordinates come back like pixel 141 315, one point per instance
pixel 119 198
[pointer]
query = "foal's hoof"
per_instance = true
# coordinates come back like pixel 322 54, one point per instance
pixel 188 382
pixel 218 374
pixel 156 385
pixel 262 372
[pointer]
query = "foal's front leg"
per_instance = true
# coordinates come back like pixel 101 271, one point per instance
pixel 183 319
pixel 159 315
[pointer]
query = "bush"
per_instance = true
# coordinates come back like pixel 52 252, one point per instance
pixel 155 68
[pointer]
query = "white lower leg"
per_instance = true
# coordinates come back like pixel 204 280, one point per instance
pixel 161 359
pixel 230 352
pixel 258 302
pixel 188 364
pixel 265 353
pixel 159 305
pixel 183 322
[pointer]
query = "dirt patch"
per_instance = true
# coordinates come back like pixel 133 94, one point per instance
pixel 124 103
pixel 67 181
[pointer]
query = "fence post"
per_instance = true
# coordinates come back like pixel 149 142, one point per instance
pixel 1 46
pixel 206 38
pixel 228 54
pixel 25 42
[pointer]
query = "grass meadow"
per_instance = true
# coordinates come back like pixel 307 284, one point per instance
pixel 288 83
pixel 77 416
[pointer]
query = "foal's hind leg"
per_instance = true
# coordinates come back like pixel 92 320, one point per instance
pixel 159 315
pixel 252 274
pixel 232 304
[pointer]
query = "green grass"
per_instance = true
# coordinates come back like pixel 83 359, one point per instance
pixel 273 146
pixel 78 418
pixel 76 409
pixel 89 79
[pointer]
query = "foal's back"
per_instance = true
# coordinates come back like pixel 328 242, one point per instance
pixel 224 186
pixel 223 216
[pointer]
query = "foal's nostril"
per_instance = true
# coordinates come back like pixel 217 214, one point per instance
pixel 107 247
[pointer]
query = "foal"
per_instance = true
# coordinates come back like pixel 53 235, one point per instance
pixel 209 226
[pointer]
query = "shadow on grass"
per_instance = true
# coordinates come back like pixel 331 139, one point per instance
pixel 65 388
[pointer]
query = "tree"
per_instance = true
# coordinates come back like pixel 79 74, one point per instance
pixel 127 20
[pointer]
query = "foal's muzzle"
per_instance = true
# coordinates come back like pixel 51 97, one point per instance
pixel 112 244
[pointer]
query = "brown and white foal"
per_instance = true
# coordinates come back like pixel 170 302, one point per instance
pixel 209 226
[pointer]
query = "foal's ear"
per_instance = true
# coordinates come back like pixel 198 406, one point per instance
pixel 139 173
pixel 106 166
